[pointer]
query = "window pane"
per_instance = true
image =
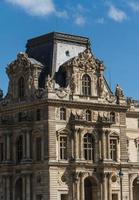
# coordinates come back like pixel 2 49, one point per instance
pixel 38 115
pixel 86 85
pixel 63 147
pixel 113 149
pixel 88 147
pixel 62 114
pixel 64 197
pixel 21 88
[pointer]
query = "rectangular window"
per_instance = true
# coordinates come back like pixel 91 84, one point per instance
pixel 38 149
pixel 63 147
pixel 114 196
pixel 1 152
pixel 38 115
pixel 64 197
pixel 113 149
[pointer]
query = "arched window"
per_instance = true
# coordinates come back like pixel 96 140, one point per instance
pixel 88 146
pixel 62 114
pixel 88 115
pixel 19 149
pixel 21 88
pixel 86 85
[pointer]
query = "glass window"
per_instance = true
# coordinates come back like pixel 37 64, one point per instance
pixel 113 149
pixel 112 117
pixel 86 85
pixel 19 149
pixel 38 114
pixel 64 197
pixel 88 115
pixel 38 149
pixel 62 114
pixel 88 147
pixel 63 147
pixel 21 88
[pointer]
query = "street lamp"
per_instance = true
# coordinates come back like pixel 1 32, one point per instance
pixel 121 186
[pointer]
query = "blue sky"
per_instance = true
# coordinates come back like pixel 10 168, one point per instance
pixel 112 26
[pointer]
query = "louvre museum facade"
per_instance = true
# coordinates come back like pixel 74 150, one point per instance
pixel 64 135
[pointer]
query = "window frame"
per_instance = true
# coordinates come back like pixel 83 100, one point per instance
pixel 88 115
pixel 63 147
pixel 62 114
pixel 113 148
pixel 86 85
pixel 88 147
pixel 21 88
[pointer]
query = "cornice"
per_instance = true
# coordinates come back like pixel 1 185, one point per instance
pixel 70 104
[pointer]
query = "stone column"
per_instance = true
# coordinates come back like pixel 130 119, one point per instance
pixel 8 188
pixel 109 186
pixel 105 187
pixel 24 187
pixel 104 145
pixel 27 145
pixel 28 188
pixel 81 187
pixel 8 156
pixel 76 145
pixel 24 146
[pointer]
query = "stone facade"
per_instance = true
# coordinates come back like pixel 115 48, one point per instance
pixel 64 135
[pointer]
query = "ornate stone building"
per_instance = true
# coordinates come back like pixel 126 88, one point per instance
pixel 64 135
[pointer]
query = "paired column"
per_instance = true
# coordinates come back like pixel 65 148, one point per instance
pixel 26 187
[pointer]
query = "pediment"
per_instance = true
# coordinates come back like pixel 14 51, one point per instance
pixel 85 60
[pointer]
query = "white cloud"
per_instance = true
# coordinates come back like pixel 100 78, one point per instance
pixel 80 20
pixel 100 20
pixel 38 7
pixel 134 6
pixel 116 14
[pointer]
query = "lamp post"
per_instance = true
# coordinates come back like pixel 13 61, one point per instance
pixel 121 186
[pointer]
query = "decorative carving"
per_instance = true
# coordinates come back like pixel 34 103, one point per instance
pixel 119 94
pixel 22 60
pixel 61 93
pixel 39 93
pixel 84 60
pixel 73 83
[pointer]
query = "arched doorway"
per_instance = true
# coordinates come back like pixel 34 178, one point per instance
pixel 19 189
pixel 136 189
pixel 90 189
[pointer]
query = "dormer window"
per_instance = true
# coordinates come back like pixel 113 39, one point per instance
pixel 21 88
pixel 86 85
